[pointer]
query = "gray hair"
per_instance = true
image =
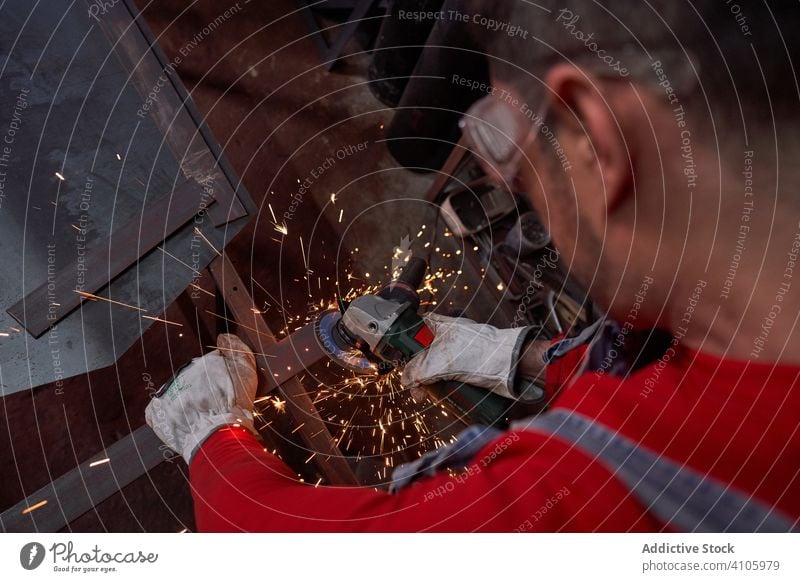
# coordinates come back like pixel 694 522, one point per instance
pixel 730 60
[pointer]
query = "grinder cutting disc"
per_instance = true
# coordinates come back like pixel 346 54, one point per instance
pixel 332 342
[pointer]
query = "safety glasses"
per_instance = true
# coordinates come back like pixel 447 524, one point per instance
pixel 498 133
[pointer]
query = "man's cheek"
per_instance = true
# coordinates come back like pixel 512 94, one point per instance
pixel 554 201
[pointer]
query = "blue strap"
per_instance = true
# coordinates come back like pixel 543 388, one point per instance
pixel 457 456
pixel 677 495
pixel 561 347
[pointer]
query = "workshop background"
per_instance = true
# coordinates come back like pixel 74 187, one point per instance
pixel 373 134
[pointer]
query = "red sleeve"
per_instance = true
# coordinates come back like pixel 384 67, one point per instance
pixel 563 370
pixel 523 481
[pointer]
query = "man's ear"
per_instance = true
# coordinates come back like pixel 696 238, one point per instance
pixel 581 109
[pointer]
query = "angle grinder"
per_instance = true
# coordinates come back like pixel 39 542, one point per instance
pixel 374 334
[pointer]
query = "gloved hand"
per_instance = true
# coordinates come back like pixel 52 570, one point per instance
pixel 213 391
pixel 468 352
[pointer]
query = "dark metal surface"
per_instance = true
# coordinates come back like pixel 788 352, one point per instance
pixel 331 53
pixel 169 105
pixel 398 47
pixel 425 125
pixel 83 157
pixel 76 492
pixel 49 303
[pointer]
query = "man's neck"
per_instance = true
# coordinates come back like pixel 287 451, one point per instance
pixel 745 321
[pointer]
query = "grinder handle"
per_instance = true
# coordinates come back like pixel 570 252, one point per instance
pixel 470 404
pixel 414 272
pixel 404 288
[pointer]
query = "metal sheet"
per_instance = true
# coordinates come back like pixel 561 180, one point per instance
pixel 77 161
pixel 167 103
pixel 57 297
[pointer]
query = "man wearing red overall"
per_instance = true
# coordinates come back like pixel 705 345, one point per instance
pixel 658 143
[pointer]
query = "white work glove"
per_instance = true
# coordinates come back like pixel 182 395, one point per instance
pixel 213 391
pixel 473 353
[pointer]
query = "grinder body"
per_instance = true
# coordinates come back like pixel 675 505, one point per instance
pixel 387 329
pixel 394 332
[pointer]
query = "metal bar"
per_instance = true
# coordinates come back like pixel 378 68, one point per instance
pixel 46 305
pixel 293 355
pixel 65 499
pixel 311 428
pixel 203 326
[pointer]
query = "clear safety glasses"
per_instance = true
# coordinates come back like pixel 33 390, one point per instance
pixel 498 133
